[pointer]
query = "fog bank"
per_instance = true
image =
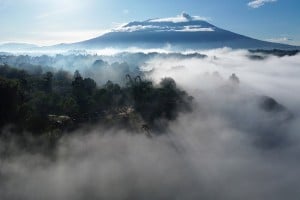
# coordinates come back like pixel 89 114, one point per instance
pixel 229 147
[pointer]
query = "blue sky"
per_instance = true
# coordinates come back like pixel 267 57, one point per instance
pixel 47 22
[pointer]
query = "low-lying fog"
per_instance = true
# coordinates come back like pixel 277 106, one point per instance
pixel 227 148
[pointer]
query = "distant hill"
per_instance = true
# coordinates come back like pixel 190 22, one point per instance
pixel 17 46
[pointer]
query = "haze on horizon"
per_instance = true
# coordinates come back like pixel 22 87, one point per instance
pixel 64 21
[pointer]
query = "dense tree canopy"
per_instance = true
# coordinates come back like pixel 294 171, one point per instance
pixel 57 101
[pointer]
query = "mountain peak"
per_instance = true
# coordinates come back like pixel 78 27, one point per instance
pixel 186 16
pixel 181 23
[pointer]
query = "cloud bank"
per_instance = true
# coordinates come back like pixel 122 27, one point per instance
pixel 218 151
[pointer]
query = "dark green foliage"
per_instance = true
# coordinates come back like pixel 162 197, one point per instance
pixel 10 99
pixel 164 101
pixel 275 52
pixel 47 82
pixel 55 101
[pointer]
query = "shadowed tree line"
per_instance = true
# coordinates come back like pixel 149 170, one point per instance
pixel 275 52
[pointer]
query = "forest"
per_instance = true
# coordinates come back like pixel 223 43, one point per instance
pixel 52 103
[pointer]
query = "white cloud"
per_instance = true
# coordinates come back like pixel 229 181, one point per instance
pixel 195 29
pixel 180 18
pixel 126 28
pixel 134 28
pixel 259 3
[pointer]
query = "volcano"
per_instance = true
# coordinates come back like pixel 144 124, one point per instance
pixel 183 32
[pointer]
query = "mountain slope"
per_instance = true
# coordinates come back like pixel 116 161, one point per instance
pixel 182 31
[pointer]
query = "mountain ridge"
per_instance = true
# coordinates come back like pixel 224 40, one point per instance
pixel 183 31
